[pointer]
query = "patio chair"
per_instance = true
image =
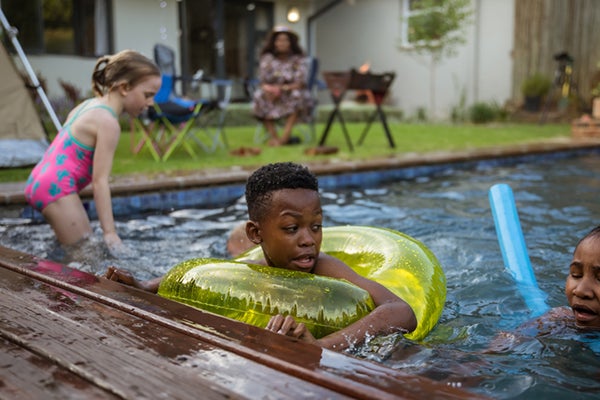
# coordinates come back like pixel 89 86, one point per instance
pixel 209 130
pixel 175 122
pixel 313 84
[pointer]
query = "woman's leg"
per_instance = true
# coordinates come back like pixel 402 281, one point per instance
pixel 272 131
pixel 287 129
pixel 68 219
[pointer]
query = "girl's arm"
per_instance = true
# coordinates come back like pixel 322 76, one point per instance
pixel 107 139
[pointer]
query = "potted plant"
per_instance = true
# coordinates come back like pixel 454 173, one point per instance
pixel 534 88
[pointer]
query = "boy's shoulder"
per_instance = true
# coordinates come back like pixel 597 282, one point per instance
pixel 328 265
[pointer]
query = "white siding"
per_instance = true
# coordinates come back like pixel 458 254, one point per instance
pixel 369 31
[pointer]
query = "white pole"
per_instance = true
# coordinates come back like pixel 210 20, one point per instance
pixel 12 33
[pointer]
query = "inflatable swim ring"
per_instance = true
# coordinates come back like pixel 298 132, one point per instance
pixel 253 293
pixel 397 261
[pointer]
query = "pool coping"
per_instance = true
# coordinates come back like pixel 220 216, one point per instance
pixel 141 193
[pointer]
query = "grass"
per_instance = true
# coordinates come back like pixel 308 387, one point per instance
pixel 409 138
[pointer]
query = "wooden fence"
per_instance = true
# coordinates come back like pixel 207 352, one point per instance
pixel 544 28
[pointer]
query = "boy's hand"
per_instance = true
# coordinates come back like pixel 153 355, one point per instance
pixel 118 275
pixel 289 327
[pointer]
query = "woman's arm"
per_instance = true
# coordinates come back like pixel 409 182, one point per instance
pixel 265 69
pixel 300 73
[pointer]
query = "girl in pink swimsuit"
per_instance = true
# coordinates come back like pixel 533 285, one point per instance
pixel 65 168
pixel 83 150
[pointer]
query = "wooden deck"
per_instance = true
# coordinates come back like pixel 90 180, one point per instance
pixel 68 334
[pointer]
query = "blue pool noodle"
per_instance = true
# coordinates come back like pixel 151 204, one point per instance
pixel 513 248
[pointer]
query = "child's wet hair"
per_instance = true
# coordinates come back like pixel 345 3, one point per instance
pixel 272 177
pixel 594 233
pixel 127 66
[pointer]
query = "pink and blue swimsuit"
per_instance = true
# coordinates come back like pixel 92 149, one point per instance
pixel 65 168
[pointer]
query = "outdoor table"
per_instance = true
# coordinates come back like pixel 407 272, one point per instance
pixel 339 82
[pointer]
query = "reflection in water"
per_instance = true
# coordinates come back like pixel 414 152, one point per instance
pixel 557 203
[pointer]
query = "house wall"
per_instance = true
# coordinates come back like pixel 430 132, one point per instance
pixel 346 36
pixel 138 25
pixel 361 31
pixel 280 16
pixel 135 26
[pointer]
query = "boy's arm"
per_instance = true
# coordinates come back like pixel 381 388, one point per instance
pixel 122 276
pixel 391 313
pixel 385 319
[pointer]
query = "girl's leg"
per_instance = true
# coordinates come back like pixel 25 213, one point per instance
pixel 68 219
pixel 289 124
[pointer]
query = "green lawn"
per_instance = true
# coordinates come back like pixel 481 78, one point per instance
pixel 409 138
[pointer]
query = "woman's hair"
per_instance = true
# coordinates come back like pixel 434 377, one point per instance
pixel 126 66
pixel 272 177
pixel 269 46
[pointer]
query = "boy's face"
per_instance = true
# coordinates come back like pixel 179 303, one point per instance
pixel 583 283
pixel 291 232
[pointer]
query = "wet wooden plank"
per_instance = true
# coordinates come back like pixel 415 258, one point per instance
pixel 26 376
pixel 135 344
pixel 126 355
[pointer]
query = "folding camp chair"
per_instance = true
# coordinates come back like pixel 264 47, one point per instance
pixel 313 84
pixel 173 120
pixel 212 122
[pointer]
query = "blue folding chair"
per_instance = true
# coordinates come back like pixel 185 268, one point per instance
pixel 173 121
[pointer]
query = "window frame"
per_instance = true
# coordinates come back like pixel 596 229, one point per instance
pixel 34 36
pixel 405 15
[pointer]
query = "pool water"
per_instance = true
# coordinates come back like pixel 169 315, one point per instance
pixel 450 213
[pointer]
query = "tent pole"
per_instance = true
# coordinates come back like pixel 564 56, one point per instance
pixel 12 33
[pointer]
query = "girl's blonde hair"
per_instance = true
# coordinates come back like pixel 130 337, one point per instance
pixel 127 66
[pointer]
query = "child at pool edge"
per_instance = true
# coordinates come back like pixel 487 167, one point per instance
pixel 285 219
pixel 582 289
pixel 84 148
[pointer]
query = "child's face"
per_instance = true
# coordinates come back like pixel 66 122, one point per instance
pixel 291 231
pixel 141 96
pixel 583 283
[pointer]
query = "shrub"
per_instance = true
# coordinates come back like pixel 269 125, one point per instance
pixel 536 85
pixel 482 113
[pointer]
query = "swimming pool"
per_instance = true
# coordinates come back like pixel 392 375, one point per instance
pixel 450 213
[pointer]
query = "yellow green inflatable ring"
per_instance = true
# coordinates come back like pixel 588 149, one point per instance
pixel 253 293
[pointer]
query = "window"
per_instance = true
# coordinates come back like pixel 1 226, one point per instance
pixel 419 19
pixel 71 27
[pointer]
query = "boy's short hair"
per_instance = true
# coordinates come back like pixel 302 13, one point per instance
pixel 272 177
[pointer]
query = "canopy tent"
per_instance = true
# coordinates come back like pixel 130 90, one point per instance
pixel 22 137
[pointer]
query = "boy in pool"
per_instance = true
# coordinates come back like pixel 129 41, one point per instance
pixel 285 219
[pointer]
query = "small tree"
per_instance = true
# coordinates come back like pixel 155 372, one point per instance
pixel 436 28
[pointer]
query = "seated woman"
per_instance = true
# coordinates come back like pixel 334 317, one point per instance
pixel 282 92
